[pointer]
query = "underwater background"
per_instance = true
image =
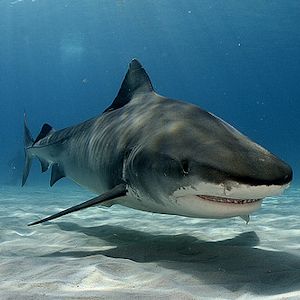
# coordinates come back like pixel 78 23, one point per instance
pixel 62 61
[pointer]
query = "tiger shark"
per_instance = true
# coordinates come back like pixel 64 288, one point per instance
pixel 160 155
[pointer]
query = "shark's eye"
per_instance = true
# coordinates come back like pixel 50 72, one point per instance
pixel 185 166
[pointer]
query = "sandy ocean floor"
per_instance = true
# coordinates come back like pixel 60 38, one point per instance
pixel 119 253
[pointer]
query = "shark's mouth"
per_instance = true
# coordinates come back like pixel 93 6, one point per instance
pixel 227 200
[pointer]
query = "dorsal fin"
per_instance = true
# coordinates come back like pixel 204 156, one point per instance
pixel 46 129
pixel 135 81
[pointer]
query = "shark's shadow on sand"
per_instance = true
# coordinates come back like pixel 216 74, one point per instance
pixel 233 264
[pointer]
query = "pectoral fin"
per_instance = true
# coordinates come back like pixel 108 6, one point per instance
pixel 118 191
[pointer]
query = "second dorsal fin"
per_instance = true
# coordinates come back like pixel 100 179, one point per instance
pixel 135 81
pixel 46 130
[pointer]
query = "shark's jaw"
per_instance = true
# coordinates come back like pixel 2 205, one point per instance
pixel 208 200
pixel 227 200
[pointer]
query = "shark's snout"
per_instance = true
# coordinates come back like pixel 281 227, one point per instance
pixel 271 171
pixel 279 173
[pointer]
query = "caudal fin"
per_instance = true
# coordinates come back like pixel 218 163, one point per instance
pixel 28 142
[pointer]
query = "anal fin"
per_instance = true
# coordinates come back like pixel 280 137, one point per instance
pixel 116 192
pixel 57 173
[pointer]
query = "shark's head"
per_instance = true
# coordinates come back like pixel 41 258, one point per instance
pixel 200 166
pixel 195 164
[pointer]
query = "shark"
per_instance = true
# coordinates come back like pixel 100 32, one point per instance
pixel 161 155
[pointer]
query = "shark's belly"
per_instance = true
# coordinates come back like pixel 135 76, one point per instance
pixel 87 178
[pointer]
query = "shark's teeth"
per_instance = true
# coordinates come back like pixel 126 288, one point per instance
pixel 227 200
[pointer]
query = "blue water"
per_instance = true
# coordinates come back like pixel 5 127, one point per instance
pixel 63 61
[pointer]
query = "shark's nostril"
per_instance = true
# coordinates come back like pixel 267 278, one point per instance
pixel 284 173
pixel 289 176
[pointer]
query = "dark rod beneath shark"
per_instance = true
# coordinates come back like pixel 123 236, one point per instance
pixel 156 154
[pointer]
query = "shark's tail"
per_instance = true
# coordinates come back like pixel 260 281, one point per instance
pixel 28 142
